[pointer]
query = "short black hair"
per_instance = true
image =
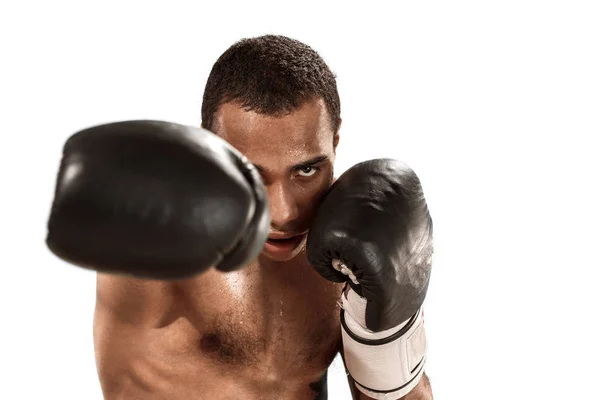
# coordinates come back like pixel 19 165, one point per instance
pixel 272 75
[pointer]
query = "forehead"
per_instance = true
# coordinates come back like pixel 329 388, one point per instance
pixel 298 135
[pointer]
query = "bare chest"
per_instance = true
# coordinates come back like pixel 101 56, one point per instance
pixel 265 316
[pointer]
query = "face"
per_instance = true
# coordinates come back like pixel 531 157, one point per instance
pixel 294 154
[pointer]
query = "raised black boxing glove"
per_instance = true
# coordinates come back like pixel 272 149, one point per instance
pixel 374 231
pixel 156 200
pixel 375 220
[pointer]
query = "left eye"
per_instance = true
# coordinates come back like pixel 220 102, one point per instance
pixel 307 171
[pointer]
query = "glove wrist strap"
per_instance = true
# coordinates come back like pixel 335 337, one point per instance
pixel 383 365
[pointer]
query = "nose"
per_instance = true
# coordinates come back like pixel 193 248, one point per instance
pixel 284 210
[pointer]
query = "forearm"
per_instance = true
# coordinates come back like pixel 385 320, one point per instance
pixel 387 364
pixel 420 392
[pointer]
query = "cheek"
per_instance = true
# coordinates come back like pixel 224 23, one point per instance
pixel 311 193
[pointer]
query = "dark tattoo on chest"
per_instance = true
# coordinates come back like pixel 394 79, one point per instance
pixel 319 388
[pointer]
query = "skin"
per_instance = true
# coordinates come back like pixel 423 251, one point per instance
pixel 267 331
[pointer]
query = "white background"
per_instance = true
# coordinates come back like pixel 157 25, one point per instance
pixel 495 104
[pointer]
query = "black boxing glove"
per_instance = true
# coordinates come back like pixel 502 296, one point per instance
pixel 156 200
pixel 373 230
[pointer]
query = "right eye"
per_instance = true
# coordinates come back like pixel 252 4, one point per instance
pixel 307 171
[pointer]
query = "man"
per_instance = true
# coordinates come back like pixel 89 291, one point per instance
pixel 205 289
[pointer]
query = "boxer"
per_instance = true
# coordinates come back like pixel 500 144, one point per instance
pixel 230 265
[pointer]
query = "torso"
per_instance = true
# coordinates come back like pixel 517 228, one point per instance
pixel 264 332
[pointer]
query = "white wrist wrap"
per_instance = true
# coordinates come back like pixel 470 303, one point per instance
pixel 384 365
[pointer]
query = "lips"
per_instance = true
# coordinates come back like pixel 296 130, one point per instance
pixel 283 243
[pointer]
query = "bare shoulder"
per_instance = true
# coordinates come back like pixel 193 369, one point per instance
pixel 137 301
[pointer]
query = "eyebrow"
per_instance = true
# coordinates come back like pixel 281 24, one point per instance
pixel 303 164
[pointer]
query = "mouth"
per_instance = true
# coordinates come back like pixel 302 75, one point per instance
pixel 283 244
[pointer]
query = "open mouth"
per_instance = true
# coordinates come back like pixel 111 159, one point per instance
pixel 283 245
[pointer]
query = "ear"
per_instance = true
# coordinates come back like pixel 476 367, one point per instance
pixel 336 137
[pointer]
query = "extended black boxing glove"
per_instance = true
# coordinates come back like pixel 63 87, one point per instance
pixel 156 200
pixel 375 220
